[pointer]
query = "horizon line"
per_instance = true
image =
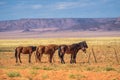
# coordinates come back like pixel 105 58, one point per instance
pixel 62 18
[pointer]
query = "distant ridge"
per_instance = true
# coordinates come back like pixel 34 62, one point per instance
pixel 58 24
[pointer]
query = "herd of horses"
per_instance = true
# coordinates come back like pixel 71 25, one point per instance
pixel 50 50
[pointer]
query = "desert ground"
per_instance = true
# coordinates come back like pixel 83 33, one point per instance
pixel 106 51
pixel 58 34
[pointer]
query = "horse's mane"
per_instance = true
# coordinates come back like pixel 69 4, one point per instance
pixel 33 47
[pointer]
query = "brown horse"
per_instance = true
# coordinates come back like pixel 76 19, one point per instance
pixel 50 50
pixel 25 50
pixel 71 49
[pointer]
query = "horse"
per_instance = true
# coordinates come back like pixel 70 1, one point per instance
pixel 25 50
pixel 49 50
pixel 71 49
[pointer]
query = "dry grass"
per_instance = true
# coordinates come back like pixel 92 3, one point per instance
pixel 104 49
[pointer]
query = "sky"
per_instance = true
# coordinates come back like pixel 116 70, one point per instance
pixel 19 9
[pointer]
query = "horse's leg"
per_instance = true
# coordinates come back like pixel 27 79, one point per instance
pixel 20 57
pixel 16 56
pixel 35 54
pixel 62 59
pixel 29 57
pixel 39 57
pixel 74 58
pixel 71 60
pixel 50 58
pixel 61 55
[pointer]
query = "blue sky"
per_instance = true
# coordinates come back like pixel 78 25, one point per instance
pixel 17 9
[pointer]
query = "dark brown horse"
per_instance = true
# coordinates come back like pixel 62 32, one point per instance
pixel 71 49
pixel 25 50
pixel 50 50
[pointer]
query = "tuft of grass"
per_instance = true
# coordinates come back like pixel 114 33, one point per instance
pixel 45 76
pixel 115 79
pixel 76 76
pixel 90 68
pixel 47 68
pixel 36 67
pixel 108 68
pixel 2 67
pixel 13 74
pixel 72 76
pixel 33 72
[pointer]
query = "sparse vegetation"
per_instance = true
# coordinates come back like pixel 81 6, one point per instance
pixel 90 68
pixel 13 74
pixel 109 68
pixel 45 76
pixel 47 68
pixel 33 72
pixel 36 67
pixel 76 76
pixel 106 60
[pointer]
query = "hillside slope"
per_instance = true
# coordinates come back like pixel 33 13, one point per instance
pixel 58 24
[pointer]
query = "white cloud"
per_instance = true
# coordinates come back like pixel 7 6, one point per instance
pixel 69 5
pixel 36 6
pixel 27 6
pixel 65 5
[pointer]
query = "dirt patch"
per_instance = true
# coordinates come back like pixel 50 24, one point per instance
pixel 63 74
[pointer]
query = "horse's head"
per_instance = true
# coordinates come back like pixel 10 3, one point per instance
pixel 83 46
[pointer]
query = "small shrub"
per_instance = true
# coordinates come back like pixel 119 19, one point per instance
pixel 33 72
pixel 90 68
pixel 72 76
pixel 13 74
pixel 115 79
pixel 109 68
pixel 36 67
pixel 45 76
pixel 76 76
pixel 47 68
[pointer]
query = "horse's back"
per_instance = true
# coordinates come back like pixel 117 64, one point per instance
pixel 46 49
pixel 68 48
pixel 40 48
pixel 25 50
pixel 19 49
pixel 49 48
pixel 52 46
pixel 32 48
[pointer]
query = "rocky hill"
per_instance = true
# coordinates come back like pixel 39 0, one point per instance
pixel 58 24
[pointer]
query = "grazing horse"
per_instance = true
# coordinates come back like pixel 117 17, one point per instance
pixel 71 49
pixel 25 50
pixel 50 50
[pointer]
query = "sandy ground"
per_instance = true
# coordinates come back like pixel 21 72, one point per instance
pixel 56 70
pixel 61 34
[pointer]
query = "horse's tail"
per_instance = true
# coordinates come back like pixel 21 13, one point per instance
pixel 16 53
pixel 59 51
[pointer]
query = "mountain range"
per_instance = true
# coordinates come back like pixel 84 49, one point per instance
pixel 60 24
